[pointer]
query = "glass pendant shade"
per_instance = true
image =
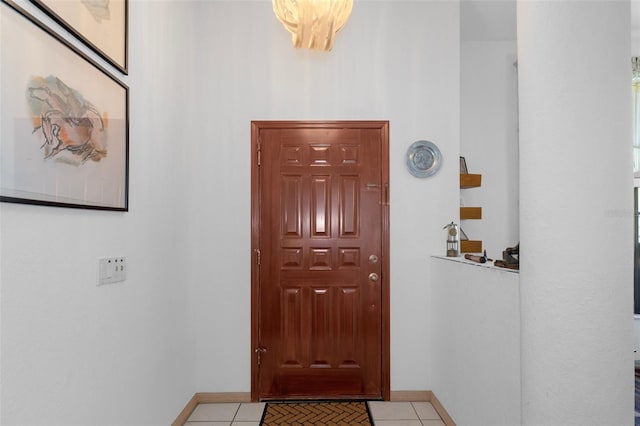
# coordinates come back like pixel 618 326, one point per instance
pixel 313 24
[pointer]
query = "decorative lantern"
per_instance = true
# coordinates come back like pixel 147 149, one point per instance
pixel 453 239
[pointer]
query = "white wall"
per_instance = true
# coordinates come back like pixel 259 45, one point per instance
pixel 636 337
pixel 475 354
pixel 77 354
pixel 576 212
pixel 635 28
pixel 489 141
pixel 134 353
pixel 635 51
pixel 396 61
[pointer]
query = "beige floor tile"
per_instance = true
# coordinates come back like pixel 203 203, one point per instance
pixel 250 412
pixel 245 424
pixel 214 412
pixel 397 423
pixel 425 410
pixel 207 424
pixel 433 423
pixel 382 410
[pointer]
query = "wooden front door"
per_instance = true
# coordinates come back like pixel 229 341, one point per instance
pixel 320 308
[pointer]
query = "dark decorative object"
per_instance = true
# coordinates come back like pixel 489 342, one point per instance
pixel 510 258
pixel 463 166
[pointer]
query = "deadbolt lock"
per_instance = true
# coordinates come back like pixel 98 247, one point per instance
pixel 373 259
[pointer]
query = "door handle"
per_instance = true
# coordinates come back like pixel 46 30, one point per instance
pixel 373 277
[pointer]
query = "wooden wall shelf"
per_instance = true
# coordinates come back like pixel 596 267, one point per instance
pixel 470 213
pixel 470 246
pixel 470 180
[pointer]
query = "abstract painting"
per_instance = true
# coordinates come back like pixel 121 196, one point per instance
pixel 64 138
pixel 100 24
pixel 72 129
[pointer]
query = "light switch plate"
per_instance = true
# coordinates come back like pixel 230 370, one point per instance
pixel 112 270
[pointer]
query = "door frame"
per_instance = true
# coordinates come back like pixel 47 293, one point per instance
pixel 256 127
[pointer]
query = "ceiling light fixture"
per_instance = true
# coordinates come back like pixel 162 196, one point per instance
pixel 313 24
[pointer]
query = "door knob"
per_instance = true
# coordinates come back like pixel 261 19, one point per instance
pixel 373 276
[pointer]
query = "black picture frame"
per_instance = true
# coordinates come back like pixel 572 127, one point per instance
pixel 103 29
pixel 64 122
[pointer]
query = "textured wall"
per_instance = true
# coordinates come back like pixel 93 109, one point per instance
pixel 575 213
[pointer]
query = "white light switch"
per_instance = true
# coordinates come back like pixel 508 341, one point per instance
pixel 112 270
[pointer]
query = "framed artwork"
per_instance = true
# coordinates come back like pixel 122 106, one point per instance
pixel 64 121
pixel 100 24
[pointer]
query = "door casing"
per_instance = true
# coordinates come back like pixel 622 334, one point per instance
pixel 256 127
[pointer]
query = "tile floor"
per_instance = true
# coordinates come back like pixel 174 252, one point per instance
pixel 249 414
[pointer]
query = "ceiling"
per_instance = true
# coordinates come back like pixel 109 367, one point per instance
pixel 488 20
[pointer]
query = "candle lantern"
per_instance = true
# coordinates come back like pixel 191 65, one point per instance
pixel 453 239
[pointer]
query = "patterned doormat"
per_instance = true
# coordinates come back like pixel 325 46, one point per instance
pixel 316 413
